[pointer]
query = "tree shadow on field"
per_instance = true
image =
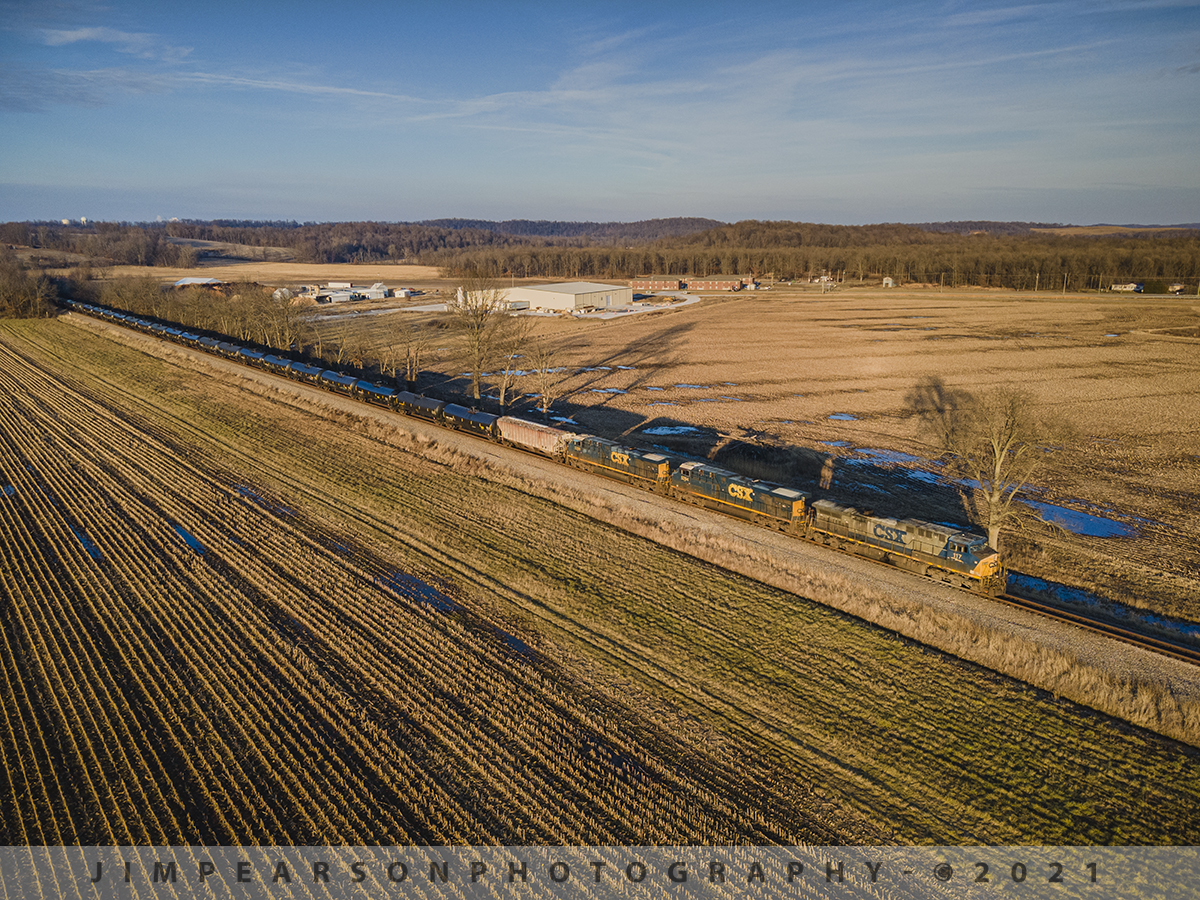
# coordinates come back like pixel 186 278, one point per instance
pixel 770 462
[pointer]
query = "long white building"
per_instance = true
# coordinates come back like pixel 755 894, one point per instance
pixel 571 295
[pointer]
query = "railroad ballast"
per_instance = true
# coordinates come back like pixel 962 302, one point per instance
pixel 938 551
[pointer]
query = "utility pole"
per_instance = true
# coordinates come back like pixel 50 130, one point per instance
pixel 1064 284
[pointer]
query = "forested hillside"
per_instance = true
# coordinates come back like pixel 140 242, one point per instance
pixel 933 253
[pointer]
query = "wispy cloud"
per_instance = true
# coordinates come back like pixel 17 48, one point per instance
pixel 141 44
pixel 292 87
pixel 36 89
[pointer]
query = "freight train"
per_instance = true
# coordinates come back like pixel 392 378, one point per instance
pixel 942 552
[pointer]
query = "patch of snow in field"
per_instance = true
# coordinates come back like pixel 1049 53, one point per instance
pixel 833 443
pixel 699 387
pixel 672 429
pixel 661 403
pixel 9 490
pixel 597 369
pixel 628 368
pixel 655 389
pixel 1078 522
pixel 844 417
pixel 608 391
pixel 892 456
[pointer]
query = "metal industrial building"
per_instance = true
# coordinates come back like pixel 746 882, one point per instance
pixel 571 295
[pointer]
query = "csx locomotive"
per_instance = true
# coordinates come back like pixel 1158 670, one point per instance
pixel 942 552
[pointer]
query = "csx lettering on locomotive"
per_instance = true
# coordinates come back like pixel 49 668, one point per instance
pixel 741 492
pixel 621 459
pixel 889 534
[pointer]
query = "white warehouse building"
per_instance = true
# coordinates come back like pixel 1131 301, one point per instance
pixel 571 295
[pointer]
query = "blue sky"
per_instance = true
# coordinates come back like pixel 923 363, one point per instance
pixel 832 112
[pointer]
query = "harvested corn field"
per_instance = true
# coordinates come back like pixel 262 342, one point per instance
pixel 231 616
pixel 186 661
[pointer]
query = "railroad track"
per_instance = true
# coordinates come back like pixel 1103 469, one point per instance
pixel 1159 645
pixel 1173 649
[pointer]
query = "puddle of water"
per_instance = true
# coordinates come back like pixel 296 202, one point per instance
pixel 515 643
pixel 1029 585
pixel 188 539
pixel 1078 522
pixel 88 544
pixel 672 429
pixel 844 417
pixel 412 588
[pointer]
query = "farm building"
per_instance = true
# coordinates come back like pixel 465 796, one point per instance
pixel 723 284
pixel 571 295
pixel 656 284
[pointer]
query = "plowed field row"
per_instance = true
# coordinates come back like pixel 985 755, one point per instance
pixel 466 657
pixel 258 683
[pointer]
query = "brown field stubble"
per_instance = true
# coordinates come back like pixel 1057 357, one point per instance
pixel 732 694
pixel 758 377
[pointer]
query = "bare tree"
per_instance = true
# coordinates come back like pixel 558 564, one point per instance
pixel 348 342
pixel 511 340
pixel 317 340
pixel 414 341
pixel 993 446
pixel 546 375
pixel 477 312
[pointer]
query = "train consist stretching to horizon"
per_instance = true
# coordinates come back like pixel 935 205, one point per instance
pixel 932 549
